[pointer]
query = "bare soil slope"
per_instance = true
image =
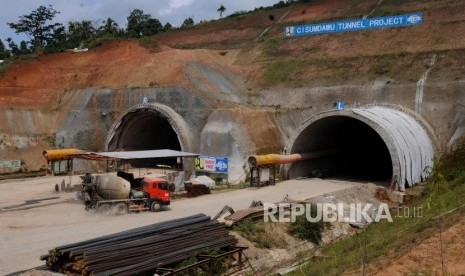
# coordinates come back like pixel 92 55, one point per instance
pixel 116 65
pixel 400 53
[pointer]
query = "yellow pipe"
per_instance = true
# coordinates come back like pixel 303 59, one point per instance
pixel 272 159
pixel 59 154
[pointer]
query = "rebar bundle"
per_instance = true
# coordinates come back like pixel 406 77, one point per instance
pixel 194 190
pixel 141 250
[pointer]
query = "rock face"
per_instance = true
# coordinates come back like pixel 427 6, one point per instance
pixel 235 131
pixel 125 97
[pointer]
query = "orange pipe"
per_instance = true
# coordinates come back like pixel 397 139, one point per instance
pixel 275 159
pixel 60 154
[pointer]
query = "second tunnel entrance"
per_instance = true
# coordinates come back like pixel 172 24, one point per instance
pixel 360 152
pixel 373 143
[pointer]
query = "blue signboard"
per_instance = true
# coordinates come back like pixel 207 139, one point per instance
pixel 355 25
pixel 340 105
pixel 212 164
pixel 222 164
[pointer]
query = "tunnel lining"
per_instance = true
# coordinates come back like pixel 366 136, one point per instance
pixel 177 123
pixel 408 143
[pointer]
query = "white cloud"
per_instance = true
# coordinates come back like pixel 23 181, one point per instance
pixel 175 5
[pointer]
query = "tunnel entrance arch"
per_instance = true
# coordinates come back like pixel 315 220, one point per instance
pixel 150 127
pixel 372 143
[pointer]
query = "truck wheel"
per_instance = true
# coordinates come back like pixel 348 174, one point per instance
pixel 156 206
pixel 105 209
pixel 121 209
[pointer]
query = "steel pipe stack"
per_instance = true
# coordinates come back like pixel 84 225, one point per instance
pixel 142 249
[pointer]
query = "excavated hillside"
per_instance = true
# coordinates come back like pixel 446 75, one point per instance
pixel 238 86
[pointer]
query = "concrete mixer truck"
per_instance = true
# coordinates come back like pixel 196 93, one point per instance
pixel 111 194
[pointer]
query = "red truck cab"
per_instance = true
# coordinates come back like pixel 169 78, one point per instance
pixel 158 191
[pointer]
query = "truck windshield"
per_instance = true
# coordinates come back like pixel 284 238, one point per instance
pixel 164 186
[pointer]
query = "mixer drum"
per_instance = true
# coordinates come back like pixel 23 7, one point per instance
pixel 111 186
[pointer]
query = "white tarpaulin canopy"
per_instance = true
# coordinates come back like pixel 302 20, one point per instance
pixel 142 154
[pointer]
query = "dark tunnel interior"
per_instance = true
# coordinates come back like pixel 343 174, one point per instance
pixel 361 153
pixel 146 130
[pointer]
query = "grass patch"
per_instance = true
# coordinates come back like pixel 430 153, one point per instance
pixel 260 233
pixel 420 272
pixel 395 239
pixel 99 41
pixel 392 7
pixel 149 42
pixel 404 67
pixel 270 47
pixel 240 43
pixel 306 230
pixel 387 64
pixel 381 67
pixel 5 66
pixel 282 71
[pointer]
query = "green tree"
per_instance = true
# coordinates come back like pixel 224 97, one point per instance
pixel 109 27
pixel 23 49
pixel 78 32
pixel 58 42
pixel 36 26
pixel 188 22
pixel 4 53
pixel 140 24
pixel 221 9
pixel 152 27
pixel 13 46
pixel 136 21
pixel 167 27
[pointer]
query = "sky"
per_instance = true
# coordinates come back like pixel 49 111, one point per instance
pixel 173 11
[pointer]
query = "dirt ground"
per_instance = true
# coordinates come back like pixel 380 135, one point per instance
pixel 425 259
pixel 27 233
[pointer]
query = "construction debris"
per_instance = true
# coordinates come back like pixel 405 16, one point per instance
pixel 155 248
pixel 255 211
pixel 223 211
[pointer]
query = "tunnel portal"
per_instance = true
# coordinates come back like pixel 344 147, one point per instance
pixel 371 144
pixel 360 152
pixel 150 127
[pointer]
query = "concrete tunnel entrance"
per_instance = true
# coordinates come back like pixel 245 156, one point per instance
pixel 375 144
pixel 150 127
pixel 358 145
